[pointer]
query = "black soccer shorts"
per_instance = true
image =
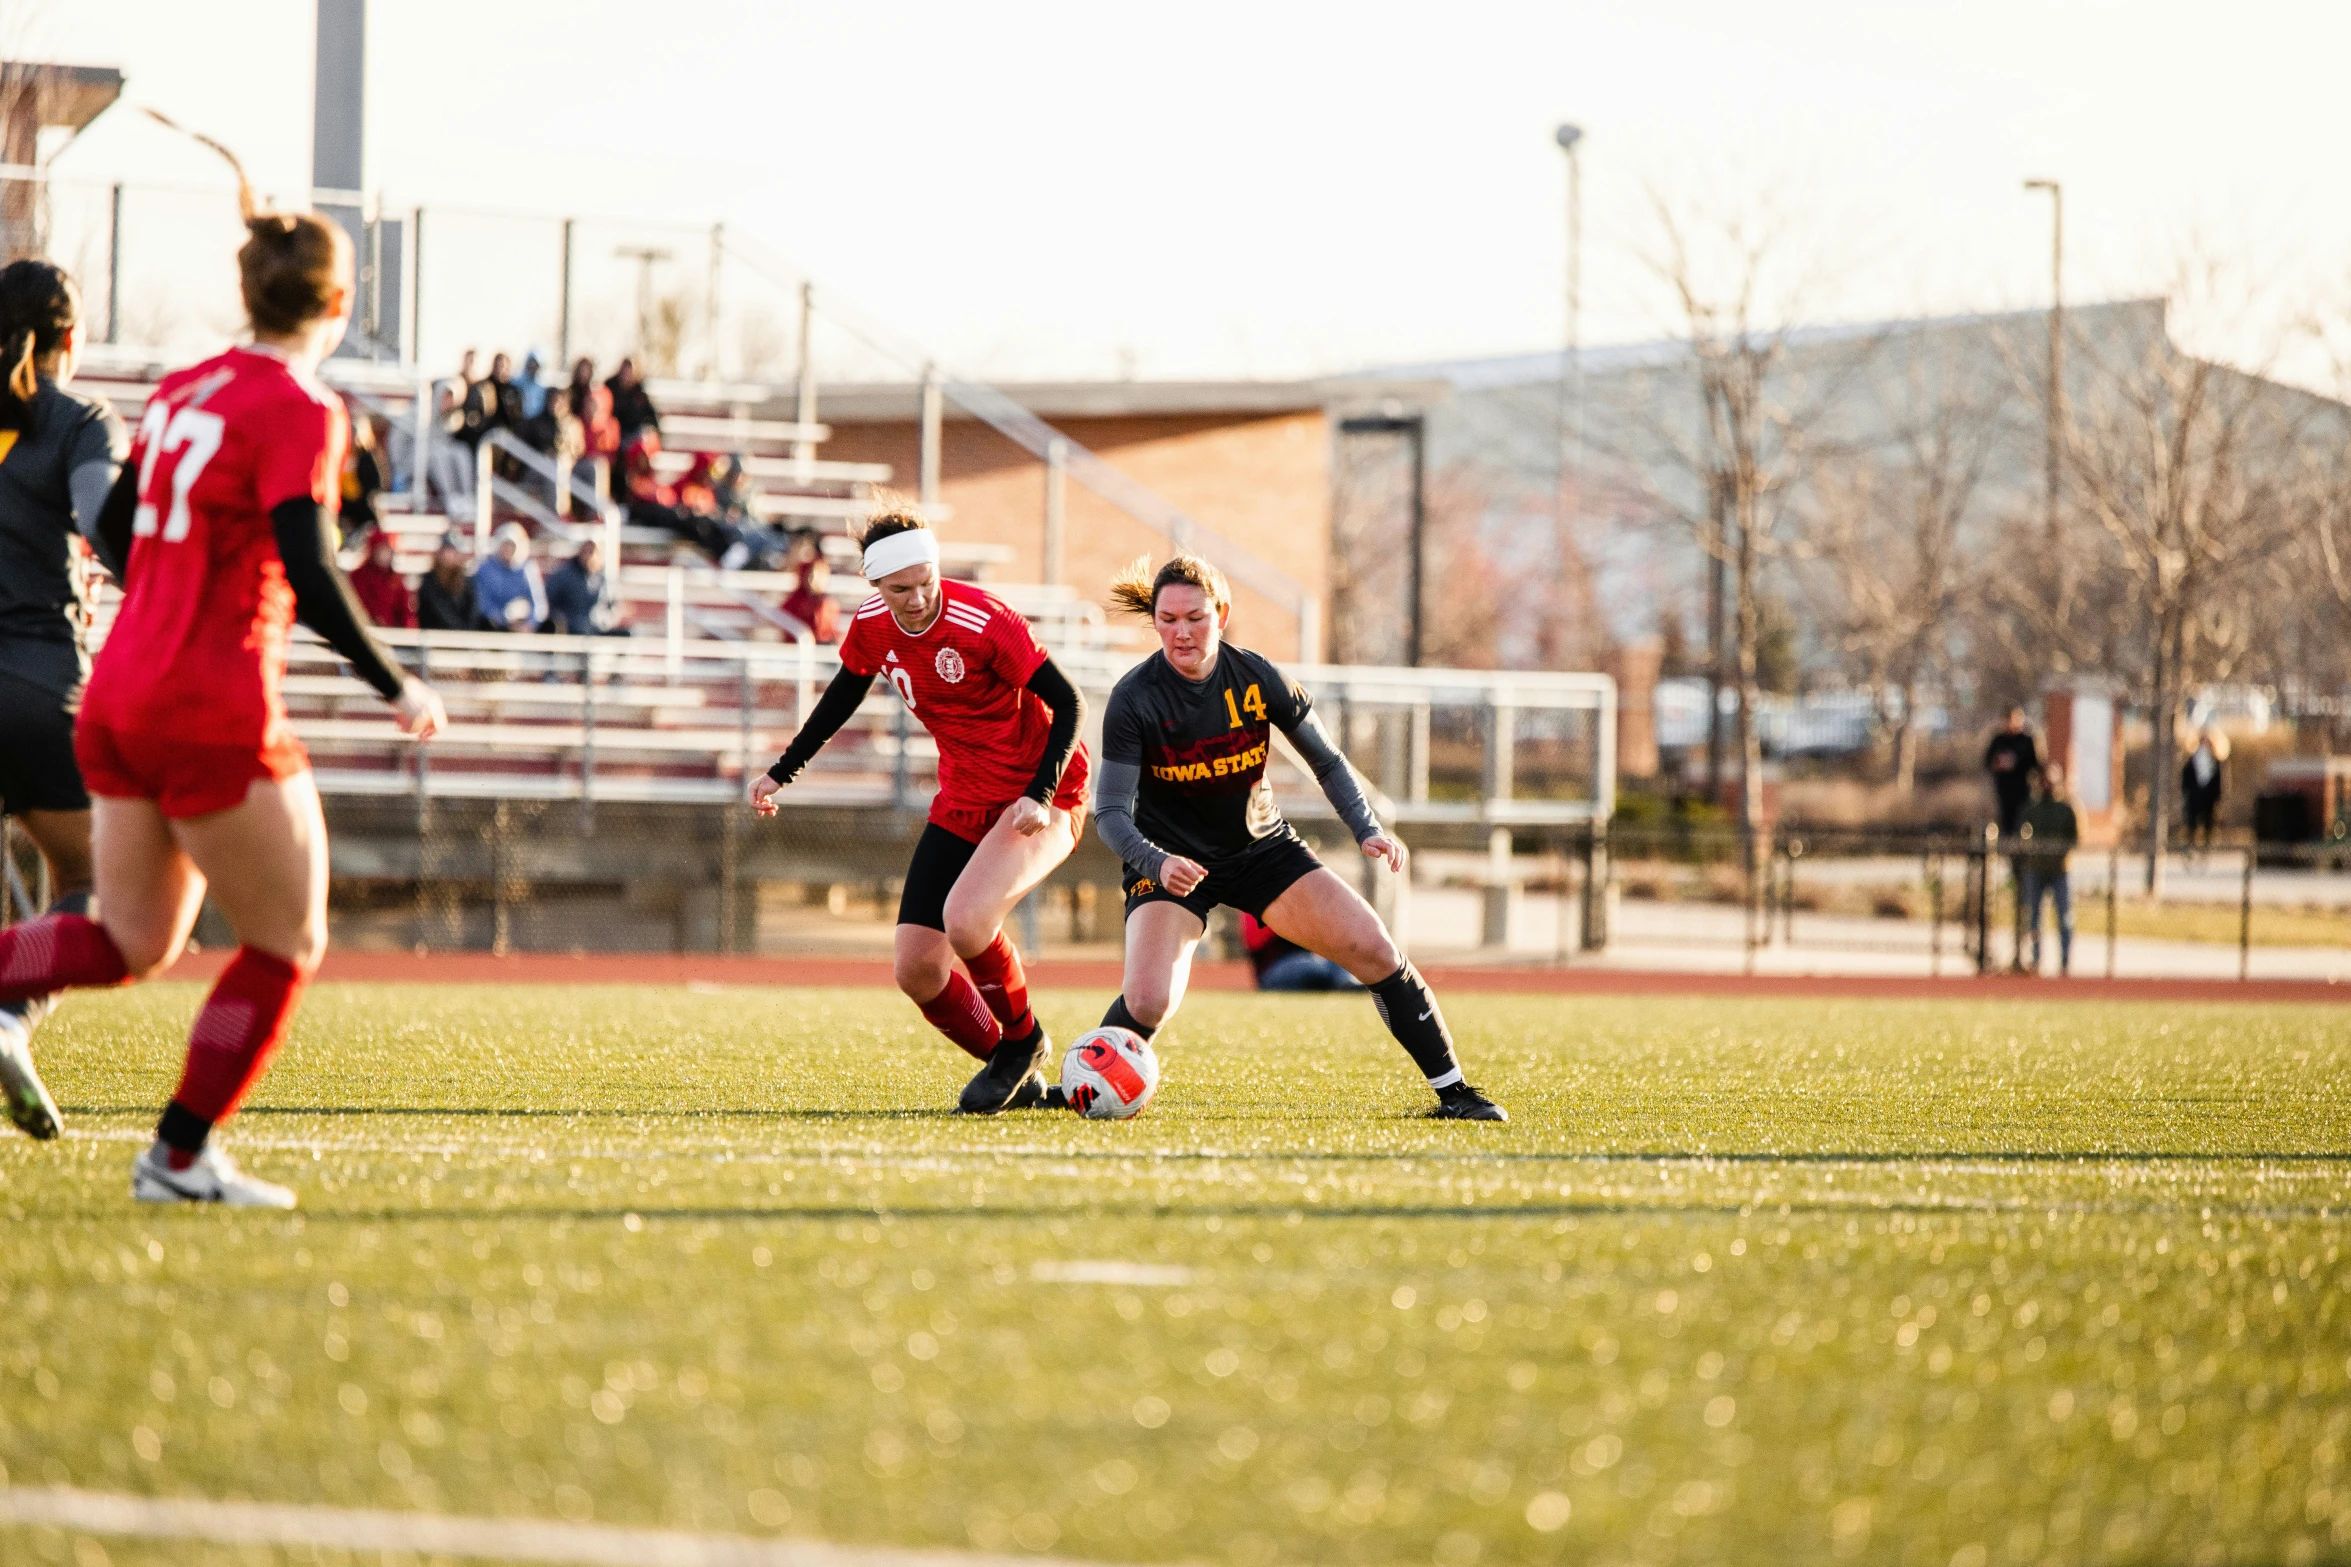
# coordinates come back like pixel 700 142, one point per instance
pixel 37 769
pixel 1249 881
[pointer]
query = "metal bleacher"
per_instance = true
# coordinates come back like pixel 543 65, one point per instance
pixel 714 676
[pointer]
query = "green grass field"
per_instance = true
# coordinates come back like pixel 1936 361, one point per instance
pixel 1938 1283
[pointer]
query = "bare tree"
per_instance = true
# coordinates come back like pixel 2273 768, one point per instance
pixel 1750 428
pixel 1899 554
pixel 2191 470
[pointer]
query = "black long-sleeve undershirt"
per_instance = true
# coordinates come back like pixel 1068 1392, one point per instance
pixel 1068 707
pixel 837 706
pixel 110 534
pixel 848 692
pixel 305 533
pixel 322 594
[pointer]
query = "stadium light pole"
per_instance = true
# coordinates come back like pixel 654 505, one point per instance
pixel 2056 354
pixel 1571 380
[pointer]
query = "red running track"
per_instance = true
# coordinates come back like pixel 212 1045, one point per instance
pixel 481 968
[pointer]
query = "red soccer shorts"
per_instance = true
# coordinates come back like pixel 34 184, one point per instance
pixel 183 778
pixel 971 822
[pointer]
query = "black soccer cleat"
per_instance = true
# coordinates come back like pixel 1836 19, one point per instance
pixel 1034 1093
pixel 999 1083
pixel 1460 1102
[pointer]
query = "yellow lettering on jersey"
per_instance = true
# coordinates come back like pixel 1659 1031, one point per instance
pixel 1228 707
pixel 7 443
pixel 1253 702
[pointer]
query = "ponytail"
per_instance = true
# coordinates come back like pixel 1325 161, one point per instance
pixel 38 306
pixel 291 262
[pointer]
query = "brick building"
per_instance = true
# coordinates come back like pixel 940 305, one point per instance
pixel 1250 462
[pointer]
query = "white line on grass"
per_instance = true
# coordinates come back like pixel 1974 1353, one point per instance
pixel 1136 1273
pixel 508 1539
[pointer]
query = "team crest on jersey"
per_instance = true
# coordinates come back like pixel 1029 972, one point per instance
pixel 950 666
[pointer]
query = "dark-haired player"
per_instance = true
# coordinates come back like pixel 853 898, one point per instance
pixel 1184 802
pixel 59 455
pixel 1011 800
pixel 221 530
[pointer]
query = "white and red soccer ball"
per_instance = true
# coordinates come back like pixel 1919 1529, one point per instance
pixel 1109 1074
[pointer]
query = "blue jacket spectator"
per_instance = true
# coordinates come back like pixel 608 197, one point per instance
pixel 507 589
pixel 579 596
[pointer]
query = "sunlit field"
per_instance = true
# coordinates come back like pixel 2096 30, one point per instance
pixel 1916 1282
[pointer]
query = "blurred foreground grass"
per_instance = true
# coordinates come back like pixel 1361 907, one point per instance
pixel 1945 1283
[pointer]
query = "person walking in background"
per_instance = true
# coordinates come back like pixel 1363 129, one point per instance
pixel 1281 964
pixel 444 599
pixel 508 592
pixel 2049 830
pixel 2200 784
pixel 381 590
pixel 2012 759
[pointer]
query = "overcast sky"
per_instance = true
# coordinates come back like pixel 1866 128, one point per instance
pixel 1275 188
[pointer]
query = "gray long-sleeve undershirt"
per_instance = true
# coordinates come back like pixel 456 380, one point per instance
pixel 1114 798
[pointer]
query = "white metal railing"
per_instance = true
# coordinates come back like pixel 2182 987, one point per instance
pixel 546 717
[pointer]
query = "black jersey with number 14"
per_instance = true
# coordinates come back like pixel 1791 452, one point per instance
pixel 1203 747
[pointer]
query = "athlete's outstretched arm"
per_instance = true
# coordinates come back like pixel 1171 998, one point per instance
pixel 836 707
pixel 322 594
pixel 1331 771
pixel 1067 704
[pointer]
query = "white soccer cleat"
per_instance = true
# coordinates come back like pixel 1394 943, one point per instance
pixel 29 1104
pixel 214 1177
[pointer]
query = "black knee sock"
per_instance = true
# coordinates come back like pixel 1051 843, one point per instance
pixel 1119 1017
pixel 1411 1014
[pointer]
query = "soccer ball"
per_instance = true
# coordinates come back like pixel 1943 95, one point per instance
pixel 1109 1074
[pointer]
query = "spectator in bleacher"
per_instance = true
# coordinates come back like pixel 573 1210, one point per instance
pixel 444 598
pixel 579 596
pixel 363 478
pixel 530 389
pixel 449 471
pixel 808 602
pixel 380 588
pixel 632 405
pixel 508 592
pixel 591 404
pixel 478 409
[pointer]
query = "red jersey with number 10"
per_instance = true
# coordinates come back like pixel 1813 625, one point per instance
pixel 965 677
pixel 199 646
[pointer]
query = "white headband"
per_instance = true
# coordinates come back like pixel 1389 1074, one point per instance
pixel 914 547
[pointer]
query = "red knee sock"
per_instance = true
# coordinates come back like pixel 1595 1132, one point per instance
pixel 54 952
pixel 996 973
pixel 960 1014
pixel 236 1033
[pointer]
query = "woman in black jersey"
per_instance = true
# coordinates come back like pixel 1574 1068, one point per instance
pixel 1184 802
pixel 59 455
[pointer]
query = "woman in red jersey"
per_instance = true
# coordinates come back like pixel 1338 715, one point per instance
pixel 1011 800
pixel 222 532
